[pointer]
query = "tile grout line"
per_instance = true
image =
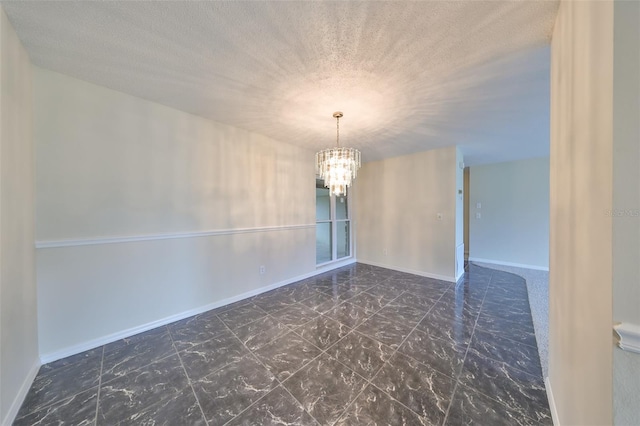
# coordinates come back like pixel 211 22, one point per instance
pixel 274 376
pixel 488 357
pixel 457 378
pixel 310 361
pixel 370 381
pixel 193 391
pixel 95 421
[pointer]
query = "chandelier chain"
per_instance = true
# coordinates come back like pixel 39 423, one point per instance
pixel 338 131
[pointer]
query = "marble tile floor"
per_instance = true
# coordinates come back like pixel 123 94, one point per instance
pixel 360 345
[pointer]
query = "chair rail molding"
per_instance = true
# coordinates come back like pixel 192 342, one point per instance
pixel 169 236
pixel 629 336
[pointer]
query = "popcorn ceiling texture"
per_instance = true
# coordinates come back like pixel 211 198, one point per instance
pixel 409 76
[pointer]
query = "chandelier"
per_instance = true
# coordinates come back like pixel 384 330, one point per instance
pixel 337 166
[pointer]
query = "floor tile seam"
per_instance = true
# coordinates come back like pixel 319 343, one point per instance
pixel 503 404
pixel 501 321
pixel 400 322
pixel 255 356
pixel 280 383
pixel 464 359
pixel 367 383
pixel 295 327
pixel 494 399
pixel 190 383
pixel 503 309
pixel 108 350
pixel 213 336
pixel 515 341
pixel 507 364
pixel 350 327
pixel 412 330
pixel 300 404
pixel 56 402
pixel 363 308
pixel 49 373
pixel 59 401
pixel 140 367
pixel 491 315
pixel 294 302
pixel 354 371
pixel 152 363
pixel 482 330
pixel 95 422
pixel 398 347
pixel 371 316
pixel 306 339
pixel 250 322
pixel 400 402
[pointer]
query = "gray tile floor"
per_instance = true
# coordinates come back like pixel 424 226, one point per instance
pixel 360 345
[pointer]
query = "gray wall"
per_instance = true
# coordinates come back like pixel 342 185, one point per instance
pixel 514 225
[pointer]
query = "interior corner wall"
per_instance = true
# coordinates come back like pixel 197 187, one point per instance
pixel 513 228
pixel 626 205
pixel 466 210
pixel 145 213
pixel 398 200
pixel 459 220
pixel 580 268
pixel 19 360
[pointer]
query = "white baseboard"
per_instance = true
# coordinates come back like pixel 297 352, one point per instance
pixel 103 340
pixel 449 278
pixel 552 402
pixel 22 394
pixel 517 265
pixel 331 266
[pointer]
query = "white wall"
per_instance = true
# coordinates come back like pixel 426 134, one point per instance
pixel 580 268
pixel 459 214
pixel 18 316
pixel 179 212
pixel 467 208
pixel 397 202
pixel 626 204
pixel 514 225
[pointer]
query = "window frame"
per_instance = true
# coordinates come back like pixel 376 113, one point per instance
pixel 334 221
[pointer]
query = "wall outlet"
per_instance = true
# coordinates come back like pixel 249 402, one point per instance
pixel 385 252
pixel 263 269
pixel 478 216
pixel 439 216
pixel 478 205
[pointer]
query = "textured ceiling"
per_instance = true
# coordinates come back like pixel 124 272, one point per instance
pixel 409 76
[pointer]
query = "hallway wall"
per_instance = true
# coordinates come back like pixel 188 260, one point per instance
pixel 513 228
pixel 19 360
pixel 580 269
